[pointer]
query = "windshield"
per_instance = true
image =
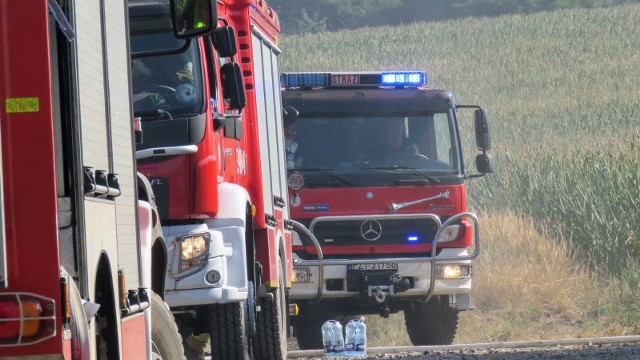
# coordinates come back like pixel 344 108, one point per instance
pixel 418 147
pixel 167 85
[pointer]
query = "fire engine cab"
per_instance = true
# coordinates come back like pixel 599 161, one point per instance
pixel 214 153
pixel 377 192
pixel 79 258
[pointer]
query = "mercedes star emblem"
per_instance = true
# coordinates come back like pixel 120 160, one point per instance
pixel 371 230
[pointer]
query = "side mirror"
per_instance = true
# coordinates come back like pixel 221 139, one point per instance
pixel 484 163
pixel 218 121
pixel 193 18
pixel 224 40
pixel 232 86
pixel 483 131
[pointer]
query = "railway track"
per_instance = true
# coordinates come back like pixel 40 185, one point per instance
pixel 617 347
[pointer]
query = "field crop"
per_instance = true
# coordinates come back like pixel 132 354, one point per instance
pixel 563 92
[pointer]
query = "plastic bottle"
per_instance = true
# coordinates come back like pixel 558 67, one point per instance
pixel 350 338
pixel 338 339
pixel 327 338
pixel 361 339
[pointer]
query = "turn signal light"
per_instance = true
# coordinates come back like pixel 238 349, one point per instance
pixel 26 318
pixel 31 309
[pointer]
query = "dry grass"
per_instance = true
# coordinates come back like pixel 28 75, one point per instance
pixel 526 287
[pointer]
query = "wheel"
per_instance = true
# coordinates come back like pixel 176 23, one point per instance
pixel 308 334
pixel 165 89
pixel 431 323
pixel 80 343
pixel 166 342
pixel 270 341
pixel 229 332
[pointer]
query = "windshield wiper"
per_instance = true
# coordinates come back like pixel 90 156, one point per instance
pixel 413 170
pixel 329 173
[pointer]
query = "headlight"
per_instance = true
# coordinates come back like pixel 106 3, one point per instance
pixel 193 252
pixel 192 247
pixel 302 275
pixel 450 233
pixel 453 271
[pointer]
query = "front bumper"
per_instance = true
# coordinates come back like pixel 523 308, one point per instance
pixel 325 274
pixel 418 271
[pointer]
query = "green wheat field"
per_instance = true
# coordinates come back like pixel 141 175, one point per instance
pixel 561 214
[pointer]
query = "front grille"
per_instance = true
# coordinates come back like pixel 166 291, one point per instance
pixel 391 232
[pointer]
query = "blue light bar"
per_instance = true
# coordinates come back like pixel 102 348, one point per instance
pixel 412 78
pixel 354 79
pixel 305 80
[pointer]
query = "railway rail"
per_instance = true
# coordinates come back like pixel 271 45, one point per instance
pixel 583 348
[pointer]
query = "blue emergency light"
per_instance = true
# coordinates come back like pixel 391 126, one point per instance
pixel 354 79
pixel 411 238
pixel 404 78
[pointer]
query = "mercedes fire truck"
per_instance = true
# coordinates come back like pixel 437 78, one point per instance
pixel 377 192
pixel 214 154
pixel 80 255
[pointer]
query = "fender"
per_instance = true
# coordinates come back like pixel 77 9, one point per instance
pixel 233 203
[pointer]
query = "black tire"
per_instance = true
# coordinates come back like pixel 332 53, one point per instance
pixel 166 342
pixel 270 341
pixel 228 332
pixel 431 323
pixel 308 334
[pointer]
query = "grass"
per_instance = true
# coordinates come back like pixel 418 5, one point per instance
pixel 537 292
pixel 562 90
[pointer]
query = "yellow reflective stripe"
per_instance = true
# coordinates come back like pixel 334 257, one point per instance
pixel 271 284
pixel 22 105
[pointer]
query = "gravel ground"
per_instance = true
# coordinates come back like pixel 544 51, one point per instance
pixel 614 351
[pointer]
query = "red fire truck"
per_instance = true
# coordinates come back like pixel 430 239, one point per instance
pixel 81 261
pixel 214 153
pixel 376 175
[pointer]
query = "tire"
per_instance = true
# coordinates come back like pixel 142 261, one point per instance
pixel 80 343
pixel 308 334
pixel 229 332
pixel 166 342
pixel 270 341
pixel 431 323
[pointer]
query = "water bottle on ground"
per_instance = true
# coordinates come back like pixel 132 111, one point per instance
pixel 361 339
pixel 350 338
pixel 327 338
pixel 338 339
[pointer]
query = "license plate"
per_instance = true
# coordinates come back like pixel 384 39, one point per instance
pixel 373 266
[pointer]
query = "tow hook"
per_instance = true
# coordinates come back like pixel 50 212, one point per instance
pixel 379 295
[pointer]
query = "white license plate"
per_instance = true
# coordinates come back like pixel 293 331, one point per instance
pixel 372 266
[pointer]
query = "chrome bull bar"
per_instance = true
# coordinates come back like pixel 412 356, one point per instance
pixel 320 262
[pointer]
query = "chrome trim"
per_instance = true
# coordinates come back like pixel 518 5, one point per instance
pixel 395 207
pixel 166 151
pixel 432 260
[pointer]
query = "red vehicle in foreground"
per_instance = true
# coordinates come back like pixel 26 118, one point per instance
pixel 376 174
pixel 214 153
pixel 79 257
